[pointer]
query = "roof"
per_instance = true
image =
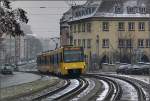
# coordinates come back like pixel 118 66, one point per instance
pixel 107 8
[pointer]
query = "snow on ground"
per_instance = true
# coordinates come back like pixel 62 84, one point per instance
pixel 74 84
pixel 104 93
pixel 86 91
pixel 129 92
pixel 145 79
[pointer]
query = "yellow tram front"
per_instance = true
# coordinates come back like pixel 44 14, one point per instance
pixel 73 61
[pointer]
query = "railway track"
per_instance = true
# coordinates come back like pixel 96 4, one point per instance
pixel 50 93
pixel 71 88
pixel 136 85
pixel 114 90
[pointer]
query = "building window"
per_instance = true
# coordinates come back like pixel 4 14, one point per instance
pixel 75 42
pixel 131 10
pixel 121 26
pixel 131 26
pixel 89 10
pixel 79 42
pixel 105 26
pixel 142 10
pixel 79 27
pixel 149 25
pixel 88 27
pixel 83 43
pixel 141 43
pixel 105 43
pixel 71 28
pixel 121 43
pixel 128 43
pixel 89 43
pixel 141 26
pixel 148 43
pixel 74 29
pixel 75 14
pixel 83 27
pixel 86 11
pixel 93 9
pixel 83 12
pixel 118 9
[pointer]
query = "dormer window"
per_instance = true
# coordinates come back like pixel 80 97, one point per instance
pixel 86 11
pixel 76 14
pixel 118 10
pixel 142 10
pixel 131 10
pixel 79 13
pixel 83 12
pixel 93 9
pixel 89 11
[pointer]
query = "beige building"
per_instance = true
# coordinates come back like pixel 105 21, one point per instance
pixel 112 30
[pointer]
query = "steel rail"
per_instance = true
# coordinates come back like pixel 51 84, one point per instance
pixel 50 93
pixel 83 85
pixel 140 92
pixel 115 90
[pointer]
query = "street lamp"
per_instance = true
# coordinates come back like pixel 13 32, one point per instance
pixel 56 42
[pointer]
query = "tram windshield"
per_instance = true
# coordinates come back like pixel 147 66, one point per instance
pixel 73 56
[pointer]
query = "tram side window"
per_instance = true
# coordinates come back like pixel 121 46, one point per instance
pixel 49 59
pixel 55 59
pixel 61 57
pixel 37 60
pixel 58 58
pixel 45 62
pixel 40 61
pixel 52 59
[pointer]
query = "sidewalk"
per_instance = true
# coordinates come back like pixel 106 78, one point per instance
pixel 17 78
pixel 14 92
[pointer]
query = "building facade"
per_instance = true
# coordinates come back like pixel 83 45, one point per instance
pixel 64 28
pixel 113 30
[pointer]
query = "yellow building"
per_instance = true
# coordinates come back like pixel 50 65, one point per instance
pixel 113 30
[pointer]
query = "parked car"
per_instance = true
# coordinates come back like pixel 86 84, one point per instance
pixel 146 69
pixel 1 67
pixel 122 69
pixel 135 70
pixel 14 67
pixel 7 69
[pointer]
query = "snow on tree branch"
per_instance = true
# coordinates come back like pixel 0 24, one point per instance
pixel 10 19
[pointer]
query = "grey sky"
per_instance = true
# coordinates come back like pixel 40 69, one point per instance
pixel 44 21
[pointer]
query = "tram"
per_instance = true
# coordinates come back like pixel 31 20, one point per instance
pixel 67 60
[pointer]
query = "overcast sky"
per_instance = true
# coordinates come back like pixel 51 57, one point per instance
pixel 44 16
